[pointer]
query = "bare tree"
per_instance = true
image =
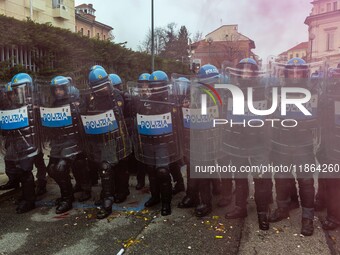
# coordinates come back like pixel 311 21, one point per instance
pixel 197 36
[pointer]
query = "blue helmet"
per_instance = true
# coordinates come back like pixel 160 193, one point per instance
pixel 248 63
pixel 115 79
pixel 296 68
pixel 296 62
pixel 99 82
pixel 158 84
pixel 144 77
pixel 20 79
pixel 246 70
pixel 158 76
pixel 59 83
pixel 208 71
pixel 98 76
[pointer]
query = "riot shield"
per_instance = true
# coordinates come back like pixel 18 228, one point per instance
pixel 245 133
pixel 156 133
pixel 18 123
pixel 199 108
pixel 59 120
pixel 105 133
pixel 297 130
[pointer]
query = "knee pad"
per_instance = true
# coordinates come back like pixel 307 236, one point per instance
pixel 105 169
pixel 163 173
pixel 57 169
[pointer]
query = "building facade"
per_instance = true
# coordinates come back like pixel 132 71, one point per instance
pixel 59 13
pixel 298 51
pixel 87 25
pixel 224 45
pixel 324 31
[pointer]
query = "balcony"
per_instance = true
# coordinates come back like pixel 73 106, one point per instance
pixel 61 12
pixel 38 5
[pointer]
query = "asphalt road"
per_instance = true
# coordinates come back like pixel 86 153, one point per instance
pixel 140 231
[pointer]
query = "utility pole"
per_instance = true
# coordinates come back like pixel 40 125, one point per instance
pixel 152 40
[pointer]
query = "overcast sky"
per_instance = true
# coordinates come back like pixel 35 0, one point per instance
pixel 274 25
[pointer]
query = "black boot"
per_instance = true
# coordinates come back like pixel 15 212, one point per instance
pixel 237 213
pixel 165 190
pixel 64 206
pixel 28 193
pixel 106 209
pixel 10 185
pixel 107 179
pixel 67 198
pixel 166 209
pixel 25 206
pixel 307 227
pixel 263 220
pixel 191 199
pixel 279 214
pixel 329 225
pixel 188 202
pixel 154 189
pixel 203 210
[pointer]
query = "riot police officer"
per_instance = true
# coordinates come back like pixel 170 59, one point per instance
pixel 201 139
pixel 328 152
pixel 60 126
pixel 295 145
pixel 107 138
pixel 156 136
pixel 246 145
pixel 20 137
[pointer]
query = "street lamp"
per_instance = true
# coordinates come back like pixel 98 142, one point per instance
pixel 311 38
pixel 152 40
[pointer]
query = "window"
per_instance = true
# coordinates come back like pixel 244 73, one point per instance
pixel 82 31
pixel 57 3
pixel 297 55
pixel 88 33
pixel 97 35
pixel 329 7
pixel 335 6
pixel 291 56
pixel 330 41
pixel 104 37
